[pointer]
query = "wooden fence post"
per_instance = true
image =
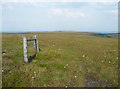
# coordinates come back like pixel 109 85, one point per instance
pixel 25 40
pixel 25 49
pixel 36 43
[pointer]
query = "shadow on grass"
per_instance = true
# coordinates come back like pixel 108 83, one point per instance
pixel 32 57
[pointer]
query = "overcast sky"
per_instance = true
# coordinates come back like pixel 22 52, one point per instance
pixel 60 16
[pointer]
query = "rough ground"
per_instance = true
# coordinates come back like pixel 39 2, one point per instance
pixel 71 59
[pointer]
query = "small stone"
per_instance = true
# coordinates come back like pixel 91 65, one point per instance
pixel 64 67
pixel 75 76
pixel 3 53
pixel 65 86
pixel 109 62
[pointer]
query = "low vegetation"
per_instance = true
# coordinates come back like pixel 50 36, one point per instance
pixel 66 59
pixel 106 35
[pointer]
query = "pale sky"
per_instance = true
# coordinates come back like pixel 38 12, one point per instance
pixel 59 16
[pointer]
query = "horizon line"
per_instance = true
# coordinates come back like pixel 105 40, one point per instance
pixel 58 31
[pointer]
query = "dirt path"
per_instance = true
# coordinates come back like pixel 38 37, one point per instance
pixel 91 81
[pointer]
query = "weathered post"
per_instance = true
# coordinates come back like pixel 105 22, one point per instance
pixel 25 49
pixel 25 40
pixel 36 43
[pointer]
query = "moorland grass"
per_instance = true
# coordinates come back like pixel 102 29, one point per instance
pixel 70 59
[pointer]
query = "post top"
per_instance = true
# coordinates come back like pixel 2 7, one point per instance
pixel 34 36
